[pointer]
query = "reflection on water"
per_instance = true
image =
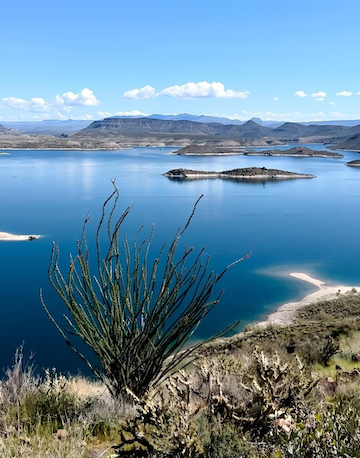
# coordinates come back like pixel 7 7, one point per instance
pixel 300 225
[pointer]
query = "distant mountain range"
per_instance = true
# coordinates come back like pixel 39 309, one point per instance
pixel 118 132
pixel 48 127
pixel 58 127
pixel 250 130
pixel 138 126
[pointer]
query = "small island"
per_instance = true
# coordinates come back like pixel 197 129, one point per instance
pixel 249 173
pixel 355 163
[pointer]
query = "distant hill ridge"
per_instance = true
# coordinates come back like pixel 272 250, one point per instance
pixel 150 125
pixel 351 143
pixel 250 130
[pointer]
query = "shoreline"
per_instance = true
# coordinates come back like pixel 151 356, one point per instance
pixel 285 314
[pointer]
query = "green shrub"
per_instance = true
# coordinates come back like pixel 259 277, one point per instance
pixel 223 440
pixel 49 405
pixel 333 432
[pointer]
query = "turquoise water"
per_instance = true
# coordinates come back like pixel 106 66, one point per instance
pixel 300 225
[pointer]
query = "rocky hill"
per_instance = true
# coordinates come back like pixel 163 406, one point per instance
pixel 140 126
pixel 291 130
pixel 351 143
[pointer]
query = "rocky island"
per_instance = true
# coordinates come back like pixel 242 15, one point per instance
pixel 355 163
pixel 249 173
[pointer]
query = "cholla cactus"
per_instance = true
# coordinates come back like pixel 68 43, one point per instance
pixel 279 389
pixel 164 423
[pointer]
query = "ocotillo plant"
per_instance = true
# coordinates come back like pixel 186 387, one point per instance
pixel 134 316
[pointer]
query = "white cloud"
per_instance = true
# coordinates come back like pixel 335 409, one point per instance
pixel 344 94
pixel 358 93
pixel 58 108
pixel 203 90
pixel 146 92
pixel 86 117
pixel 276 99
pixel 188 91
pixel 300 94
pixel 295 116
pixel 338 115
pixel 107 114
pixel 332 103
pixel 86 97
pixel 35 104
pixel 130 113
pixel 320 99
pixel 319 95
pixel 104 114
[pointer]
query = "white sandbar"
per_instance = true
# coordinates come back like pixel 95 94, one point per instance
pixel 286 313
pixel 6 237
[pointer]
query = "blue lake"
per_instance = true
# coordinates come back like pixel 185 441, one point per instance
pixel 300 225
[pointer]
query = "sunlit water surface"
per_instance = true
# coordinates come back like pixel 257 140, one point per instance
pixel 292 225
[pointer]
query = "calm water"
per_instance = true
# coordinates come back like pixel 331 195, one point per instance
pixel 300 225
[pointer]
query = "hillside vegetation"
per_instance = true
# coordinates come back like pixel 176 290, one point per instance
pixel 275 392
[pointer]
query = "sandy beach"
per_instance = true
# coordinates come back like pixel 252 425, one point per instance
pixel 286 313
pixel 6 237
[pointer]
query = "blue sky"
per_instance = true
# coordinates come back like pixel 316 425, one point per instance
pixel 281 59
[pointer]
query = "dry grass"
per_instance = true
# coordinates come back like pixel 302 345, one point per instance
pixel 38 445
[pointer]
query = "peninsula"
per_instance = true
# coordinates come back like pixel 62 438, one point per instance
pixel 297 151
pixel 249 173
pixel 355 163
pixel 286 314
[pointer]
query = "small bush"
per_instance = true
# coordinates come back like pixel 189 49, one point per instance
pixel 223 441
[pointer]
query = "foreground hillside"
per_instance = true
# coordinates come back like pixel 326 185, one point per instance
pixel 288 391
